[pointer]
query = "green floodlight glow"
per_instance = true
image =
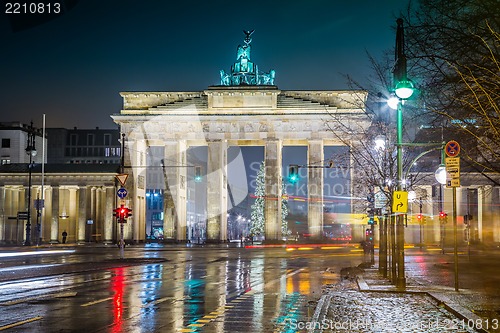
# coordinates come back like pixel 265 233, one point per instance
pixel 404 89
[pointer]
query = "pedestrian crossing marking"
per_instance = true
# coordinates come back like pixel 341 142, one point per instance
pixel 210 317
pixel 203 321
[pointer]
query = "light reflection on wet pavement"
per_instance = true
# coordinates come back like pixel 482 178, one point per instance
pixel 228 290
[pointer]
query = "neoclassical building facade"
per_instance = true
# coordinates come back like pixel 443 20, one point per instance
pixel 78 199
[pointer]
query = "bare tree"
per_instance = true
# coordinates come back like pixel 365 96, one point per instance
pixel 453 46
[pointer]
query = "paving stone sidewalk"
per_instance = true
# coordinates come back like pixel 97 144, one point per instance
pixel 374 305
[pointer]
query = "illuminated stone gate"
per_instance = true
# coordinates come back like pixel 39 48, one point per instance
pixel 245 109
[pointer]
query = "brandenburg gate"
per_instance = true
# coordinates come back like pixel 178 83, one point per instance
pixel 247 108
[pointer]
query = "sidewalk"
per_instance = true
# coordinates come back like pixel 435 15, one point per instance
pixel 366 302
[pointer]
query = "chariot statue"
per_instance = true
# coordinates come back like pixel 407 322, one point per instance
pixel 244 71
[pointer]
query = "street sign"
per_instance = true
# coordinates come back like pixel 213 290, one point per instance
pixel 400 202
pixel 452 162
pixel 22 215
pixel 39 204
pixel 121 193
pixel 380 199
pixel 90 221
pixel 122 178
pixel 452 148
pixel 453 172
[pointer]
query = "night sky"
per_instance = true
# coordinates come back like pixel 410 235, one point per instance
pixel 73 67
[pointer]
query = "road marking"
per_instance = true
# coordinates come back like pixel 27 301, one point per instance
pixel 40 297
pixel 161 300
pixel 6 327
pixel 97 302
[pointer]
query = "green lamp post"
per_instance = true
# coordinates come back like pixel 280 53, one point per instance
pixel 403 89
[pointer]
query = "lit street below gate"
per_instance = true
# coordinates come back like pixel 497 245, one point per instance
pixel 162 289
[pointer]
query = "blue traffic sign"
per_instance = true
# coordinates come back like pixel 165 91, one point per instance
pixel 121 193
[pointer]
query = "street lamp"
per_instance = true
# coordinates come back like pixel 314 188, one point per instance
pixel 31 152
pixel 403 89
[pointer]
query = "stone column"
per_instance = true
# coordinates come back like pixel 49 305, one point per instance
pixel 272 205
pixel 82 214
pixel 315 157
pixel 431 227
pixel 10 210
pixel 181 200
pixel 47 213
pixel 217 191
pixel 136 223
pixel 484 202
pixel 73 215
pixel 107 234
pixel 170 192
pixel 54 222
pixel 99 215
pixel 92 201
pixel 4 220
pixel 495 214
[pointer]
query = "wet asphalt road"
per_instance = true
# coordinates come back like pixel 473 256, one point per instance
pixel 166 289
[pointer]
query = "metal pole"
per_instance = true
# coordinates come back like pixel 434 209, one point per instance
pixel 421 223
pixel 29 150
pixel 41 208
pixel 122 243
pixel 455 240
pixel 401 279
pixel 383 245
pixel 393 249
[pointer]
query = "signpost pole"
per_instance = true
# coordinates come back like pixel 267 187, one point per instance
pixel 122 243
pixel 455 241
pixel 452 149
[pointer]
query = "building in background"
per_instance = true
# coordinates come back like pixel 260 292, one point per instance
pixel 83 146
pixel 14 140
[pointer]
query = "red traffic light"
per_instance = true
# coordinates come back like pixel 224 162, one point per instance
pixel 121 213
pixel 442 214
pixel 419 217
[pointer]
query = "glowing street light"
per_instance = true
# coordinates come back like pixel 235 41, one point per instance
pixel 404 89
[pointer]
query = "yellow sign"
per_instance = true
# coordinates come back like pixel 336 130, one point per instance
pixel 452 162
pixel 400 202
pixel 453 182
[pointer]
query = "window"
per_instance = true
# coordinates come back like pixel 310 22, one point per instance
pixel 73 139
pixel 90 139
pixel 107 139
pixel 5 161
pixel 106 152
pixel 5 143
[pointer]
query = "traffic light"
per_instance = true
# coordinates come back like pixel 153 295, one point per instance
pixel 420 218
pixel 293 173
pixel 369 235
pixel 467 219
pixel 197 174
pixel 371 221
pixel 443 217
pixel 122 213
